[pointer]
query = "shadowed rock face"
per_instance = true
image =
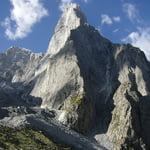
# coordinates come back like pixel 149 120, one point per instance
pixel 17 70
pixel 126 127
pixel 79 68
pixel 88 79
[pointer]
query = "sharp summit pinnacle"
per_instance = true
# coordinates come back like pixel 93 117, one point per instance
pixel 71 19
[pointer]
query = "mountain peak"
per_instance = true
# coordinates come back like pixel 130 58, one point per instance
pixel 15 49
pixel 73 11
pixel 73 5
pixel 71 19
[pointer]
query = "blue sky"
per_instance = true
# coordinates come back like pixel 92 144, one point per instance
pixel 30 23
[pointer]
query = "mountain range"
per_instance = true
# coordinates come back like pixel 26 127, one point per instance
pixel 85 91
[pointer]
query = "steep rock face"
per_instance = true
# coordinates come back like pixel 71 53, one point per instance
pixel 126 127
pixel 18 64
pixel 17 70
pixel 71 19
pixel 79 65
pixel 86 77
pixel 145 119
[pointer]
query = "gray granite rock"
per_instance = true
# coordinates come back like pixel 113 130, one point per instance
pixel 127 126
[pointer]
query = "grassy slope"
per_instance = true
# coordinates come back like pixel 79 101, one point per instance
pixel 26 139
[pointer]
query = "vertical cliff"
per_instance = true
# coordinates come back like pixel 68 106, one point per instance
pixel 128 125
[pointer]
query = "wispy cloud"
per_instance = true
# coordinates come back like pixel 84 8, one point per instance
pixel 23 15
pixel 131 11
pixel 116 19
pixel 141 39
pixel 116 30
pixel 105 19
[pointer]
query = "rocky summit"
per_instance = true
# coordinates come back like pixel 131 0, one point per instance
pixel 83 84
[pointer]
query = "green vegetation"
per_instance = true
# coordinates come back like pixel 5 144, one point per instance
pixel 26 139
pixel 77 100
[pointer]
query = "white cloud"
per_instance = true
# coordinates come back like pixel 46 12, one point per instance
pixel 131 11
pixel 24 14
pixel 65 3
pixel 116 19
pixel 141 39
pixel 106 19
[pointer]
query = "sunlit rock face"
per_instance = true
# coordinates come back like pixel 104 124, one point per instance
pixel 77 65
pixel 18 64
pixel 86 79
pixel 71 19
